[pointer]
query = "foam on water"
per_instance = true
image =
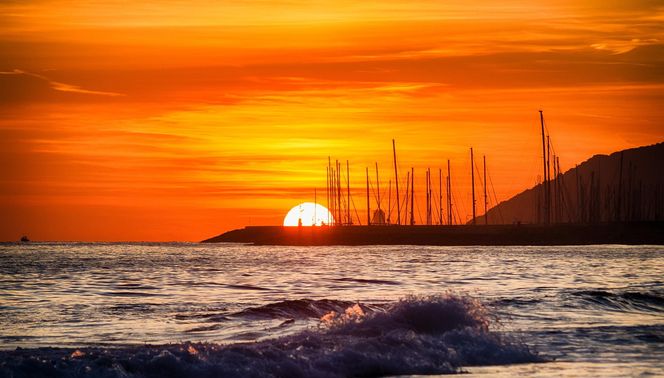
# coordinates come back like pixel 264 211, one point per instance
pixel 416 335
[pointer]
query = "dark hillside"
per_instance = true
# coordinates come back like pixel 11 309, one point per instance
pixel 596 191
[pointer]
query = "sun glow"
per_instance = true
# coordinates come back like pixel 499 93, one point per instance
pixel 309 214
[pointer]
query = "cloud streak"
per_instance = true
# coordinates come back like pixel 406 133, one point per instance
pixel 59 86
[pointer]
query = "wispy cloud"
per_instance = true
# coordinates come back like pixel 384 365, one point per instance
pixel 623 46
pixel 62 87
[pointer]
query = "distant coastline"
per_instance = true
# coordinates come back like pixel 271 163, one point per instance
pixel 630 233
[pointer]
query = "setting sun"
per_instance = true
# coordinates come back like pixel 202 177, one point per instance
pixel 311 214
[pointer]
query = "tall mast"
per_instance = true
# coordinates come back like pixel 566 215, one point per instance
pixel 548 181
pixel 315 206
pixel 330 199
pixel 449 194
pixel 327 191
pixel 405 221
pixel 389 200
pixel 339 192
pixel 472 181
pixel 378 187
pixel 333 193
pixel 426 188
pixel 348 194
pixel 440 192
pixel 556 204
pixel 430 189
pixel 368 205
pixel 486 202
pixel 412 195
pixel 559 190
pixel 396 181
pixel 544 177
pixel 561 186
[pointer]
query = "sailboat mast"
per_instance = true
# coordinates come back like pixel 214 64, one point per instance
pixel 430 198
pixel 368 204
pixel 378 187
pixel 440 192
pixel 449 194
pixel 333 218
pixel 405 214
pixel 333 194
pixel 412 195
pixel 348 193
pixel 486 202
pixel 339 192
pixel 548 181
pixel 330 200
pixel 430 201
pixel 561 186
pixel 426 188
pixel 544 180
pixel 556 205
pixel 396 181
pixel 472 182
pixel 389 200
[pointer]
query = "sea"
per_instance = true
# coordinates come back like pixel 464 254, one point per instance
pixel 233 310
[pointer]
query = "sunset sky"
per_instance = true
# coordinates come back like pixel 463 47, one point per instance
pixel 178 120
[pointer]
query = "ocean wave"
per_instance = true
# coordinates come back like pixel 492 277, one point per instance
pixel 416 335
pixel 623 300
pixel 516 302
pixel 367 281
pixel 246 287
pixel 129 294
pixel 296 309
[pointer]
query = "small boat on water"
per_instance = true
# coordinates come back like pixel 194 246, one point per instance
pixel 24 239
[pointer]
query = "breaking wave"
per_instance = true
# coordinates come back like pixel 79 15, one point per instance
pixel 296 309
pixel 416 335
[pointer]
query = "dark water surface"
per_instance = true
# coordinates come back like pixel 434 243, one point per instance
pixel 331 311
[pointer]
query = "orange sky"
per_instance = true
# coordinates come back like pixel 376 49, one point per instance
pixel 177 120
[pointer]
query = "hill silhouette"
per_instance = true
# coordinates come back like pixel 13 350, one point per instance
pixel 626 185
